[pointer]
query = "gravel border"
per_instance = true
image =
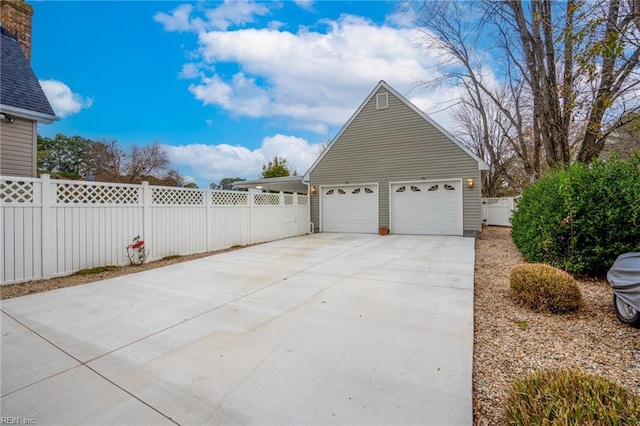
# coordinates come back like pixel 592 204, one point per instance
pixel 510 341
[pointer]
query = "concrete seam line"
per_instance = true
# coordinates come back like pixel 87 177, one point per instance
pixel 84 364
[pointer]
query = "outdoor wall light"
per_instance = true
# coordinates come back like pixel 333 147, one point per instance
pixel 470 182
pixel 9 118
pixel 314 189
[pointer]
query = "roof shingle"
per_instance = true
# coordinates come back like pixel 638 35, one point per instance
pixel 19 87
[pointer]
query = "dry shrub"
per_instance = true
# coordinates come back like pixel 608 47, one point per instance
pixel 571 397
pixel 545 288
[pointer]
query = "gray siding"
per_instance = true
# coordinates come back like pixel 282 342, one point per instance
pixel 396 144
pixel 18 148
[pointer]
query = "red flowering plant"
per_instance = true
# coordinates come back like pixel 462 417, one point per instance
pixel 136 252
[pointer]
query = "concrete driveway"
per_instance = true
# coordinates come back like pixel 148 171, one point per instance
pixel 321 329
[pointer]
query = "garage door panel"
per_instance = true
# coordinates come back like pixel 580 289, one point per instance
pixel 350 208
pixel 432 208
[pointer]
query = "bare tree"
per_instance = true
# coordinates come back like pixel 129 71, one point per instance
pixel 142 162
pixel 481 130
pixel 493 115
pixel 563 75
pixel 104 161
pixel 625 140
pixel 580 61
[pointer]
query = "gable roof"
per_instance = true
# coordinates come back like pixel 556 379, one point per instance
pixel 20 91
pixel 482 165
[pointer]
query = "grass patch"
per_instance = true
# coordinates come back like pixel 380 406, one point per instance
pixel 96 270
pixel 173 256
pixel 523 325
pixel 571 397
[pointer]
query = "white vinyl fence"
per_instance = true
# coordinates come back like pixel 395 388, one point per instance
pixel 497 211
pixel 53 227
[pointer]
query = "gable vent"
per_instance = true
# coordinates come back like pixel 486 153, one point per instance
pixel 382 100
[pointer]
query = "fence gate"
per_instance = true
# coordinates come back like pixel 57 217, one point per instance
pixel 497 211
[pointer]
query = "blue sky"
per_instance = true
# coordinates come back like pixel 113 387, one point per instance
pixel 224 86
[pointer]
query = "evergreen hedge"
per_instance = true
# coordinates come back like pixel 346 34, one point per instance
pixel 581 218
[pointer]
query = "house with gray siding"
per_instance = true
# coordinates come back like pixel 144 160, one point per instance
pixel 23 104
pixel 393 169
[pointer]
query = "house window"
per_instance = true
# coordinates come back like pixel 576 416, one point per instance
pixel 449 188
pixel 382 100
pixel 433 188
pixel 356 191
pixel 368 190
pixel 341 191
pixel 401 189
pixel 415 189
pixel 329 192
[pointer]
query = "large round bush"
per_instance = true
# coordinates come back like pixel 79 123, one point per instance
pixel 544 288
pixel 581 218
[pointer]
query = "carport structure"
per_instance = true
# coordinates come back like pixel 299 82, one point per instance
pixel 320 329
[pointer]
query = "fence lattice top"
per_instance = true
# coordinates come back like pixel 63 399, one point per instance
pixel 221 198
pixel 499 201
pixel 90 193
pixel 17 190
pixel 177 197
pixel 12 191
pixel 266 199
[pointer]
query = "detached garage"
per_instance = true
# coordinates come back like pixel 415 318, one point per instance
pixel 393 168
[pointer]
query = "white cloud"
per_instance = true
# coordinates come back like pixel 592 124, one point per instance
pixel 305 4
pixel 178 20
pixel 210 163
pixel 403 18
pixel 313 79
pixel 229 13
pixel 235 13
pixel 63 101
pixel 190 70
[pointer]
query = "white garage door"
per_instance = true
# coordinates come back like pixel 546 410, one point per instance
pixel 430 208
pixel 349 208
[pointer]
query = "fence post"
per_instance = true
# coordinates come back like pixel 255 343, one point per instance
pixel 251 202
pixel 283 225
pixel 295 213
pixel 48 197
pixel 208 193
pixel 147 198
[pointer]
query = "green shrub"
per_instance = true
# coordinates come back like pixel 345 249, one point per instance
pixel 571 397
pixel 96 270
pixel 581 218
pixel 171 257
pixel 545 288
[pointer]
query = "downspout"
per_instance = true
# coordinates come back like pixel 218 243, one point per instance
pixel 312 227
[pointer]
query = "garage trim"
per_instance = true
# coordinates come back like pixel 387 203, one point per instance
pixel 323 187
pixel 423 181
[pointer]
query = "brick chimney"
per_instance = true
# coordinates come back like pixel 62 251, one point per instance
pixel 16 18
